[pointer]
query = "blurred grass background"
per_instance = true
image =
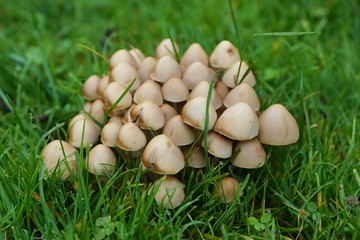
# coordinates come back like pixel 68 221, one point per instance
pixel 317 77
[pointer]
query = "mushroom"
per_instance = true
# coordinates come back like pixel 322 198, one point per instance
pixel 113 92
pixel 218 145
pixel 179 132
pixel 174 90
pixel 194 113
pixel 168 111
pixel 224 55
pixel 145 68
pixel 103 83
pixel 221 88
pixel 130 138
pixel 82 131
pixel 123 73
pixel 231 77
pixel 162 156
pixel 277 126
pixel 60 159
pixel 251 154
pixel 148 115
pixel 164 69
pixel 238 122
pixel 194 156
pixel 202 89
pixel 194 53
pixel 243 93
pixel 166 48
pixel 148 90
pixel 138 55
pixel 90 86
pixel 226 189
pixel 109 133
pixel 101 161
pixel 122 56
pixel 195 73
pixel 170 193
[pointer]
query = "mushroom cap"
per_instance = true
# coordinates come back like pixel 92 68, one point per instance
pixel 231 78
pixel 138 55
pixel 221 88
pixel 83 130
pixel 121 56
pixel 164 69
pixel 148 90
pixel 163 156
pixel 101 161
pixel 179 132
pixel 194 156
pixel 166 48
pixel 97 111
pixel 168 111
pixel 226 188
pixel 195 53
pixel 109 133
pixel 224 55
pixel 103 83
pixel 175 90
pixel 130 137
pixel 113 92
pixel 251 154
pixel 238 122
pixel 90 87
pixel 123 73
pixel 194 113
pixel 218 145
pixel 243 93
pixel 148 115
pixel 60 159
pixel 195 73
pixel 277 126
pixel 145 68
pixel 170 193
pixel 202 89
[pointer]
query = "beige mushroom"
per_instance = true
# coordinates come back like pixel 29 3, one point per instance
pixel 97 112
pixel 226 189
pixel 221 88
pixel 90 86
pixel 83 132
pixel 174 90
pixel 168 111
pixel 243 93
pixel 231 77
pixel 148 90
pixel 101 161
pixel 113 92
pixel 250 154
pixel 109 133
pixel 170 193
pixel 123 73
pixel 60 159
pixel 218 145
pixel 103 83
pixel 130 138
pixel 224 55
pixel 195 73
pixel 194 53
pixel 148 115
pixel 179 132
pixel 202 89
pixel 194 113
pixel 166 48
pixel 145 68
pixel 162 156
pixel 122 56
pixel 238 122
pixel 164 69
pixel 277 126
pixel 194 156
pixel 138 55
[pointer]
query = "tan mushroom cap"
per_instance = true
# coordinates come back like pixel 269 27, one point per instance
pixel 226 189
pixel 224 55
pixel 103 83
pixel 238 122
pixel 243 93
pixel 251 154
pixel 149 90
pixel 83 131
pixel 277 126
pixel 221 88
pixel 166 48
pixel 148 115
pixel 123 73
pixel 163 156
pixel 168 111
pixel 130 137
pixel 202 89
pixel 113 92
pixel 195 73
pixel 117 119
pixel 195 53
pixel 194 113
pixel 90 87
pixel 138 55
pixel 170 192
pixel 231 79
pixel 145 68
pixel 179 132
pixel 122 56
pixel 97 111
pixel 101 161
pixel 218 145
pixel 109 133
pixel 60 159
pixel 175 90
pixel 194 156
pixel 164 69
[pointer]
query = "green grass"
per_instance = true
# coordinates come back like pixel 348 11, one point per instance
pixel 302 192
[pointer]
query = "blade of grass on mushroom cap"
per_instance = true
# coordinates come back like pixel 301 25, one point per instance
pixel 176 53
pixel 206 126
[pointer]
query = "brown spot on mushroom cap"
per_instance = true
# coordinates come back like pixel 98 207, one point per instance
pixel 224 55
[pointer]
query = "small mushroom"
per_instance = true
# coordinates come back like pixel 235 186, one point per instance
pixel 145 68
pixel 277 126
pixel 60 159
pixel 113 92
pixel 221 88
pixel 194 156
pixel 148 90
pixel 101 161
pixel 218 145
pixel 168 111
pixel 174 90
pixel 148 115
pixel 109 133
pixel 164 69
pixel 170 193
pixel 122 56
pixel 123 73
pixel 231 77
pixel 226 189
pixel 90 86
pixel 179 132
pixel 224 55
pixel 243 93
pixel 138 55
pixel 195 73
pixel 83 132
pixel 194 53
pixel 166 48
pixel 130 138
pixel 202 89
pixel 251 154
pixel 103 83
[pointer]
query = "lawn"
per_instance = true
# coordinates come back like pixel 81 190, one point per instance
pixel 304 54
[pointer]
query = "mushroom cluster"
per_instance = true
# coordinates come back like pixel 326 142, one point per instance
pixel 158 109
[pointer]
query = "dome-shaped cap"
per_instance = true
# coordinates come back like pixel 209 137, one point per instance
pixel 179 132
pixel 243 93
pixel 164 69
pixel 194 53
pixel 101 161
pixel 166 48
pixel 250 154
pixel 224 55
pixel 231 77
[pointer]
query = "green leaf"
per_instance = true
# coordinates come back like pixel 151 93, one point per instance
pixel 259 227
pixel 265 218
pixel 311 207
pixel 252 221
